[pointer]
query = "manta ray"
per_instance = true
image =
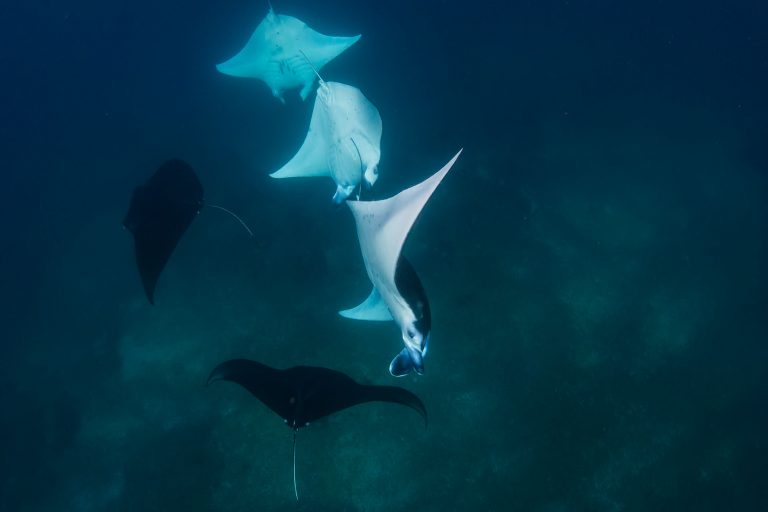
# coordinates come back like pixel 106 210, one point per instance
pixel 303 394
pixel 160 212
pixel 343 141
pixel 382 227
pixel 273 54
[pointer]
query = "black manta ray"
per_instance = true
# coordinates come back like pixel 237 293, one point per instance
pixel 303 394
pixel 161 210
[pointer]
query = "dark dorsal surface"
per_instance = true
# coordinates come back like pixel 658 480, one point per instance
pixel 161 210
pixel 410 288
pixel 303 394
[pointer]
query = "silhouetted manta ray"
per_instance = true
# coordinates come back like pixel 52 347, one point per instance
pixel 303 394
pixel 160 212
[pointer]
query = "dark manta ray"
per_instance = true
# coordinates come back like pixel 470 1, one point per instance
pixel 161 210
pixel 303 394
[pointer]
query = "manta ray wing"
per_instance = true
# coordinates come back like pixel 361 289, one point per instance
pixel 271 386
pixel 383 226
pixel 395 395
pixel 253 59
pixel 329 391
pixel 321 49
pixel 373 308
pixel 312 157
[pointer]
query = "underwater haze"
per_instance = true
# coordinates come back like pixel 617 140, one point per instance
pixel 595 261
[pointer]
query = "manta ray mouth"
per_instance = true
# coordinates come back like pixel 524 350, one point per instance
pixel 409 359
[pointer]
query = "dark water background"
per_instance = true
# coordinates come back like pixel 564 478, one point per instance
pixel 595 261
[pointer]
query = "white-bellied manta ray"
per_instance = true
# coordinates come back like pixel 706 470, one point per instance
pixel 343 141
pixel 273 54
pixel 382 227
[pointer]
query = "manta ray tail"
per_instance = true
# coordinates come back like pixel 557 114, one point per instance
pixel 317 74
pixel 233 214
pixel 295 487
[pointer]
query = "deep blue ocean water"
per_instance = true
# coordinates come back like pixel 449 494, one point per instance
pixel 596 260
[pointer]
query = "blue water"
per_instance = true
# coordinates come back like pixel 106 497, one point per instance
pixel 595 261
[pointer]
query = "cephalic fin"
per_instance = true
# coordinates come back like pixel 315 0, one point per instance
pixel 402 364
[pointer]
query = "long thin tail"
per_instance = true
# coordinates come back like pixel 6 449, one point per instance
pixel 295 487
pixel 313 67
pixel 245 226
